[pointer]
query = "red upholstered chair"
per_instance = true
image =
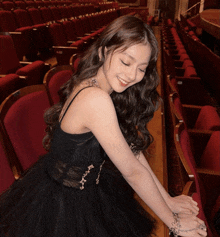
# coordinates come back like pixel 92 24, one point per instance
pixel 21 35
pixel 9 63
pixel 9 84
pixel 54 79
pixel 195 117
pixel 22 115
pixel 23 19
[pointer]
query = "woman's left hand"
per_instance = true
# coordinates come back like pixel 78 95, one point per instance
pixel 183 204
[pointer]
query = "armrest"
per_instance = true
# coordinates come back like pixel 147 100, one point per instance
pixel 63 54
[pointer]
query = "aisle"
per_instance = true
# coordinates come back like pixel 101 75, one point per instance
pixel 157 151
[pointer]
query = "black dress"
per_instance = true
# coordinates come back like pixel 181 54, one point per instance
pixel 73 191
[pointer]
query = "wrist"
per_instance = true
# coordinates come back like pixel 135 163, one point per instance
pixel 175 225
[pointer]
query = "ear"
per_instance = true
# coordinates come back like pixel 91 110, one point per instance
pixel 100 52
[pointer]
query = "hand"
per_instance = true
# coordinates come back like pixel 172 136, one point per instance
pixel 183 204
pixel 187 225
pixel 191 226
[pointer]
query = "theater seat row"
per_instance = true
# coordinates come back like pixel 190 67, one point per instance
pixel 192 130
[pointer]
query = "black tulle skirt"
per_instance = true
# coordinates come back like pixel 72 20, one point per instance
pixel 38 206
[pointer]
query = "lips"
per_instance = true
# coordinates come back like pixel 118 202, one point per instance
pixel 122 82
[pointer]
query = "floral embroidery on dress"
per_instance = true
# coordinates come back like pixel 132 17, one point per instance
pixel 84 175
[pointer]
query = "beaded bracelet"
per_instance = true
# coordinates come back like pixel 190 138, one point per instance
pixel 175 229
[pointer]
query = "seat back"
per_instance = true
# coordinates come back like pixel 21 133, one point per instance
pixel 35 16
pixel 54 79
pixel 210 158
pixel 6 174
pixel 22 115
pixel 23 18
pixel 7 21
pixel 9 61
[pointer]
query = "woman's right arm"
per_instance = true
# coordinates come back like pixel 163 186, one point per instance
pixel 98 115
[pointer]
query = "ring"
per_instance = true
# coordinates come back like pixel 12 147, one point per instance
pixel 202 227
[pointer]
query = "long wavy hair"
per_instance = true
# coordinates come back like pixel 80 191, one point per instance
pixel 135 106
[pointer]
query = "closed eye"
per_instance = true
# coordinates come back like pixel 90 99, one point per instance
pixel 126 64
pixel 142 70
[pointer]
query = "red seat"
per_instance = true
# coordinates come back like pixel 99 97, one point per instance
pixel 27 107
pixel 196 117
pixel 10 64
pixel 54 79
pixel 208 119
pixel 210 158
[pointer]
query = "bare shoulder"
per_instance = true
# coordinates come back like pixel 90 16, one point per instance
pixel 95 98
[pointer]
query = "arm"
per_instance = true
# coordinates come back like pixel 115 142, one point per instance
pixel 100 117
pixel 176 204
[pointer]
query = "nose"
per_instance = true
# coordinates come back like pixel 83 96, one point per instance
pixel 131 74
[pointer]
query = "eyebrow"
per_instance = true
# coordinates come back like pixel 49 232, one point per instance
pixel 132 58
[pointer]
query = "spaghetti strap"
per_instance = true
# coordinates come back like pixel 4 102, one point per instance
pixel 71 102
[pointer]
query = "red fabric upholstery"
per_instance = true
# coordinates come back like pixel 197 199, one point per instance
pixel 9 61
pixel 188 63
pixel 33 71
pixel 78 43
pixel 56 82
pixel 9 84
pixel 70 32
pixel 184 56
pixel 36 16
pixel 58 35
pixel 210 158
pixel 6 175
pixel 46 14
pixel 7 5
pixel 190 72
pixel 201 214
pixel 76 63
pixel 186 148
pixel 56 13
pixel 208 119
pixel 181 51
pixel 26 127
pixel 23 18
pixel 21 4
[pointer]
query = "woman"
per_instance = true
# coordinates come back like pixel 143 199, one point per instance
pixel 95 137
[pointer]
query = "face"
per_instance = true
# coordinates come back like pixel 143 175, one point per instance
pixel 123 69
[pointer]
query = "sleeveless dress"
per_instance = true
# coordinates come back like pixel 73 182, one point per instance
pixel 73 191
